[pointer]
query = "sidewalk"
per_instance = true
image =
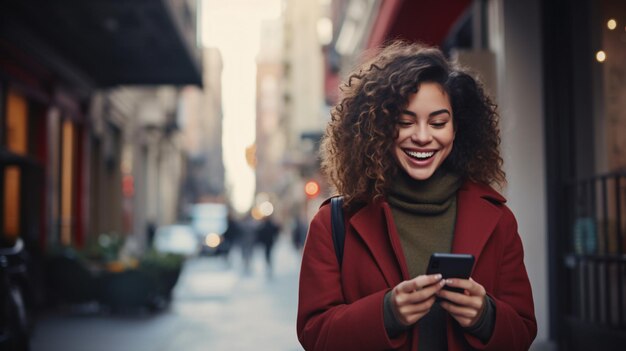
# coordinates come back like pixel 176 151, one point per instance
pixel 215 307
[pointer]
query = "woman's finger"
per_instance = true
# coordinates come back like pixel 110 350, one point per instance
pixel 425 293
pixel 418 283
pixel 407 286
pixel 423 281
pixel 459 311
pixel 476 289
pixel 460 299
pixel 469 285
pixel 421 307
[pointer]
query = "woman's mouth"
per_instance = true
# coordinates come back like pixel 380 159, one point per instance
pixel 418 155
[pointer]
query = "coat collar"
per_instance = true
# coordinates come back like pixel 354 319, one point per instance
pixel 374 224
pixel 477 215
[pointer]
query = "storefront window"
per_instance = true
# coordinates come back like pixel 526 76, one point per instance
pixel 16 142
pixel 610 56
pixel 53 119
pixel 67 181
pixel 609 99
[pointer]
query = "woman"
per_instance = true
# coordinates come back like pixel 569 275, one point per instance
pixel 413 147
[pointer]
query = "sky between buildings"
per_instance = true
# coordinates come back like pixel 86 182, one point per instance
pixel 234 27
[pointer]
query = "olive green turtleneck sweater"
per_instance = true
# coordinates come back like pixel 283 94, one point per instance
pixel 424 213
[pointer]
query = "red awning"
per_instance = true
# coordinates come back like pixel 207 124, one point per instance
pixel 426 21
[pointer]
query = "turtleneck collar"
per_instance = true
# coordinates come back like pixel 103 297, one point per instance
pixel 431 196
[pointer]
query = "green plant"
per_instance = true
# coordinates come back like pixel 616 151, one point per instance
pixel 162 260
pixel 164 268
pixel 105 247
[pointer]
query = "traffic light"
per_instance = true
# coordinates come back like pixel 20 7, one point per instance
pixel 251 156
pixel 312 189
pixel 128 185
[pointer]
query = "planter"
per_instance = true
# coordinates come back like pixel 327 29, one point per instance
pixel 70 281
pixel 132 289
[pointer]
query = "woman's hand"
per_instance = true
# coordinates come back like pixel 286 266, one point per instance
pixel 412 299
pixel 466 308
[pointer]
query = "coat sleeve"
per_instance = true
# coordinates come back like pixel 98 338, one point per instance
pixel 325 320
pixel 515 324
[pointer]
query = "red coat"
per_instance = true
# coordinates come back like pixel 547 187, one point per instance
pixel 344 310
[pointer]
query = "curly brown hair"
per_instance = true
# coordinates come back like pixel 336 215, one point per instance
pixel 357 147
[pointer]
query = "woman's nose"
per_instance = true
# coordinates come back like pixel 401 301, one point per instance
pixel 421 135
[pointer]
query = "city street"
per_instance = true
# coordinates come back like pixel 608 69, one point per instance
pixel 215 307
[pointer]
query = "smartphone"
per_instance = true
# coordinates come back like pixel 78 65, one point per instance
pixel 451 266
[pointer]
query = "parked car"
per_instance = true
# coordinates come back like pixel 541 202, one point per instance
pixel 177 239
pixel 210 221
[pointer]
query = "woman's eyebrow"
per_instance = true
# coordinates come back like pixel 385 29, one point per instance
pixel 438 112
pixel 434 113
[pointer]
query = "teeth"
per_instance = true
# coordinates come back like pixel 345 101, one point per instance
pixel 420 154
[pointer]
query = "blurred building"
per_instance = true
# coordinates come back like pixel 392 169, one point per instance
pixel 79 155
pixel 136 160
pixel 273 176
pixel 305 113
pixel 201 118
pixel 556 69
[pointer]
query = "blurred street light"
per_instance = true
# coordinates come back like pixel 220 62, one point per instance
pixel 611 24
pixel 266 208
pixel 212 240
pixel 312 189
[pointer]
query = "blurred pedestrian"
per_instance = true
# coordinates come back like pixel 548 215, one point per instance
pixel 150 231
pixel 413 147
pixel 266 235
pixel 231 236
pixel 247 238
pixel 298 233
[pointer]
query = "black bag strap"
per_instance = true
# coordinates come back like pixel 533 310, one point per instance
pixel 338 226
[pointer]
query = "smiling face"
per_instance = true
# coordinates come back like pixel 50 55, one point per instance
pixel 425 132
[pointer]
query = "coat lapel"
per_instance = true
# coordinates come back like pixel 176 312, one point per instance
pixel 373 224
pixel 477 217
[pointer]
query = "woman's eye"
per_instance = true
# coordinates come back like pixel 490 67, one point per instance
pixel 405 123
pixel 439 124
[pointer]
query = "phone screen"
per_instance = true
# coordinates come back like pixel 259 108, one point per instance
pixel 451 266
